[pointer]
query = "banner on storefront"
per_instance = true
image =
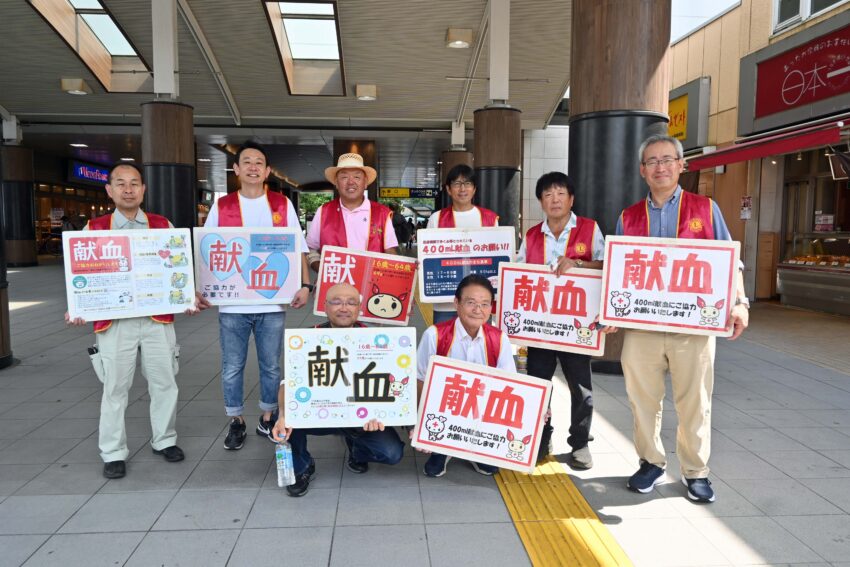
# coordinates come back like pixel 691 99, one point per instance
pixel 347 377
pixel 481 414
pixel 117 274
pixel 669 284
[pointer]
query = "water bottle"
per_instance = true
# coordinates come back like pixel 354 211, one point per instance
pixel 522 359
pixel 283 459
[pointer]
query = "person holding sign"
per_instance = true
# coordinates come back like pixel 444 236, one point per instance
pixel 647 356
pixel 460 186
pixel 119 341
pixel 351 220
pixel 373 444
pixel 252 206
pixel 563 241
pixel 468 337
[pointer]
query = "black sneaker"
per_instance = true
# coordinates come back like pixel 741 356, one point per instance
pixel 264 427
pixel 545 442
pixel 645 479
pixel 356 466
pixel 436 465
pixel 302 481
pixel 171 454
pixel 699 489
pixel 114 469
pixel 236 436
pixel 481 468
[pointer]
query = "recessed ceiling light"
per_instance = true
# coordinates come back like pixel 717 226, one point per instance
pixel 79 145
pixel 75 86
pixel 202 181
pixel 205 160
pixel 229 169
pixel 458 38
pixel 128 159
pixel 366 92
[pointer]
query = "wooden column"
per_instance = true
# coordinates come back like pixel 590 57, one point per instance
pixel 18 206
pixel 368 150
pixel 498 156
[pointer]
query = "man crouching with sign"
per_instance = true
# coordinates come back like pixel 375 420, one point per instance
pixel 467 337
pixel 563 241
pixel 373 443
pixel 670 212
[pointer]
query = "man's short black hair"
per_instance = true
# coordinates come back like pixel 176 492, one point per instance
pixel 249 145
pixel 461 170
pixel 554 179
pixel 124 164
pixel 474 279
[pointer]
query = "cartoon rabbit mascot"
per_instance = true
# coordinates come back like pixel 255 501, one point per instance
pixel 517 447
pixel 709 314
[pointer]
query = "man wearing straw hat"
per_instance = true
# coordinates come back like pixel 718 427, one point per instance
pixel 351 220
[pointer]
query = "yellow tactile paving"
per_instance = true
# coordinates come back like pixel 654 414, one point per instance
pixel 554 521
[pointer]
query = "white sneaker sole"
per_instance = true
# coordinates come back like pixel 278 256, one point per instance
pixel 481 471
pixel 656 482
pixel 442 472
pixel 694 498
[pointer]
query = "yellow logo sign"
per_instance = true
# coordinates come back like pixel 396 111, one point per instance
pixel 581 248
pixel 678 111
pixel 394 192
pixel 276 217
pixel 695 225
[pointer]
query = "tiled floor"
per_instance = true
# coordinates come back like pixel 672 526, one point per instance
pixel 780 464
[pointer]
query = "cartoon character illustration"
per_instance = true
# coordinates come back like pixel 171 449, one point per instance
pixel 621 301
pixel 178 280
pixel 585 334
pixel 384 305
pixel 435 426
pixel 123 264
pixel 176 296
pixel 397 386
pixel 512 322
pixel 516 447
pixel 178 260
pixel 125 297
pixel 176 242
pixel 708 314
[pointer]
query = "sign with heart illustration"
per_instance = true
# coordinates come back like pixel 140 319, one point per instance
pixel 243 266
pixel 118 274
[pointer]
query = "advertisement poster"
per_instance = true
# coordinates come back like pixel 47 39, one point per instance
pixel 679 285
pixel 385 281
pixel 346 377
pixel 539 309
pixel 450 254
pixel 244 266
pixel 117 274
pixel 481 414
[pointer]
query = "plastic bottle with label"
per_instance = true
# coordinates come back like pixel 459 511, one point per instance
pixel 283 460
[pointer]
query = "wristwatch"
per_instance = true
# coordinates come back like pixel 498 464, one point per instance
pixel 310 287
pixel 579 263
pixel 745 301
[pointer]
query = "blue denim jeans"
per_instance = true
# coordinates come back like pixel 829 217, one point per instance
pixel 235 330
pixel 366 446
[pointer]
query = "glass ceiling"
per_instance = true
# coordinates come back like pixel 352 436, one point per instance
pixel 310 37
pixel 104 27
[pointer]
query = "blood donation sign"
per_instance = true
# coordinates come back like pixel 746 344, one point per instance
pixel 540 309
pixel 450 254
pixel 116 274
pixel 481 414
pixel 240 265
pixel 678 285
pixel 346 377
pixel 385 281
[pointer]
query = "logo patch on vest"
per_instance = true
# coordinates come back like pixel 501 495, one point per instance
pixel 276 217
pixel 695 225
pixel 581 248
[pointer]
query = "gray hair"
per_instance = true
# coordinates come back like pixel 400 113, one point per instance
pixel 658 138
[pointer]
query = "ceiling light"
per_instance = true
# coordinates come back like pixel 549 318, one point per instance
pixel 799 156
pixel 202 181
pixel 366 92
pixel 79 145
pixel 128 159
pixel 773 161
pixel 458 38
pixel 205 160
pixel 76 86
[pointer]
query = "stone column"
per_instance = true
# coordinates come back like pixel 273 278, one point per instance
pixel 18 206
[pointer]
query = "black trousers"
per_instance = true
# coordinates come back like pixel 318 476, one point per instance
pixel 542 364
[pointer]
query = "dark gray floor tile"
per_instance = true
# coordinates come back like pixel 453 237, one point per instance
pixel 372 506
pixel 15 549
pixel 207 510
pixel 391 545
pixel 461 504
pixel 276 509
pixel 460 545
pixel 185 549
pixel 93 550
pixel 228 475
pixel 37 514
pixel 123 512
pixel 66 478
pixel 305 547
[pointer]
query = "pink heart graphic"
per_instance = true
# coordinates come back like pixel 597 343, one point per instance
pixel 165 253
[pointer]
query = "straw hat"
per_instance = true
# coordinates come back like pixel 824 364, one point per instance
pixel 351 161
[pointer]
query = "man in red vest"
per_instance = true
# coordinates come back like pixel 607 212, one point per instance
pixel 563 241
pixel 470 338
pixel 118 342
pixel 254 206
pixel 670 212
pixel 372 444
pixel 460 186
pixel 351 220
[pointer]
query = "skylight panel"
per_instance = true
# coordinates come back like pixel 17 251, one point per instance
pixel 307 8
pixel 108 34
pixel 86 4
pixel 312 39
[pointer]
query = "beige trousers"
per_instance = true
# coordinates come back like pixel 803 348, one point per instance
pixel 115 365
pixel 647 357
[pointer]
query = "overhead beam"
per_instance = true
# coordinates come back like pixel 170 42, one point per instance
pixel 500 49
pixel 473 63
pixel 164 29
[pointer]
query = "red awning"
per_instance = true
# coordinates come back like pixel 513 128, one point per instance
pixel 806 138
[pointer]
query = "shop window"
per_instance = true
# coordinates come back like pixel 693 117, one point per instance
pixel 787 13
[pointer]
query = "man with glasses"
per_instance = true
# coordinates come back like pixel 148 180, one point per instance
pixel 460 186
pixel 670 212
pixel 373 444
pixel 564 241
pixel 470 338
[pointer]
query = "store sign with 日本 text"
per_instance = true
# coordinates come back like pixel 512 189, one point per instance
pixel 677 285
pixel 347 377
pixel 243 266
pixel 481 414
pixel 385 282
pixel 448 255
pixel 540 309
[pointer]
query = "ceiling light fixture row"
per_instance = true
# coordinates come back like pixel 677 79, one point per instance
pixel 458 38
pixel 366 92
pixel 75 86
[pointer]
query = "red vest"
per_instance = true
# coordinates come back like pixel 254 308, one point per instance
pixel 696 217
pixel 105 223
pixel 333 226
pixel 579 244
pixel 492 340
pixel 447 217
pixel 230 212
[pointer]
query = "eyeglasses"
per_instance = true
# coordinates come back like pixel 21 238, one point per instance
pixel 653 163
pixel 472 305
pixel 339 303
pixel 459 184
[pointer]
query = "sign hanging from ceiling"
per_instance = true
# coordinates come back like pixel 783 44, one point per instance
pixel 408 193
pixel 88 173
